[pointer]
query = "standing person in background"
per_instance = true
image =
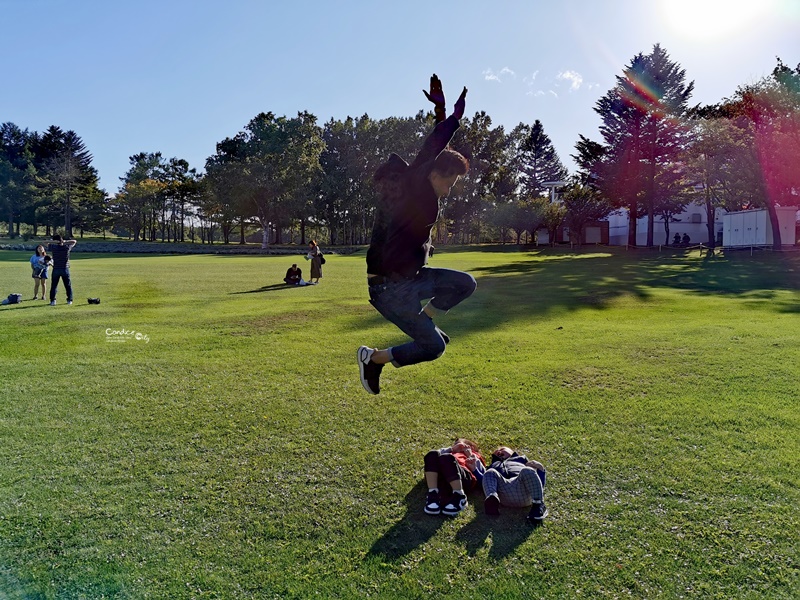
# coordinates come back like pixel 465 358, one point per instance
pixel 397 275
pixel 315 256
pixel 60 251
pixel 39 271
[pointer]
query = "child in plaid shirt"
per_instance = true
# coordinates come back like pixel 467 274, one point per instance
pixel 513 480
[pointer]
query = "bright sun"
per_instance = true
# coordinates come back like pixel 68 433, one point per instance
pixel 712 19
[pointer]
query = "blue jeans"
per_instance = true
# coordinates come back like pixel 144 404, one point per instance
pixel 55 276
pixel 401 303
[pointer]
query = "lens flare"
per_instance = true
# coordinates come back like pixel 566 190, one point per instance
pixel 710 20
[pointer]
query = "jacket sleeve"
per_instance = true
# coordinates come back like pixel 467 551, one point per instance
pixel 437 141
pixel 479 471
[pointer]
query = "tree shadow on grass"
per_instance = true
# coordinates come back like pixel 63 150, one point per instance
pixel 410 532
pixel 534 284
pixel 531 285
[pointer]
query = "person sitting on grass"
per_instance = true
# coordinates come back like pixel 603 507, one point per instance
pixel 513 480
pixel 450 473
pixel 294 276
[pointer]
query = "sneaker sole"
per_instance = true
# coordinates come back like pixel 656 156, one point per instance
pixel 539 519
pixel 451 513
pixel 432 512
pixel 361 354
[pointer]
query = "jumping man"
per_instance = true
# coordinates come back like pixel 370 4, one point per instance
pixel 397 275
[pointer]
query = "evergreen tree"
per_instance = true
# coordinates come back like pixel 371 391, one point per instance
pixel 537 159
pixel 17 175
pixel 589 159
pixel 645 133
pixel 135 204
pixel 67 175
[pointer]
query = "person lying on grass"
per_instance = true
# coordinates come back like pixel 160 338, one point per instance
pixel 513 480
pixel 450 473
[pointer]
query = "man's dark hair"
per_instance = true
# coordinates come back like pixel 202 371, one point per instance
pixel 57 238
pixel 450 163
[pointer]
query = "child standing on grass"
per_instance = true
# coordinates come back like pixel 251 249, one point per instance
pixel 39 265
pixel 450 473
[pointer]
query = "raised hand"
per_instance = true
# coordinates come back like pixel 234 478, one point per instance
pixel 460 105
pixel 436 95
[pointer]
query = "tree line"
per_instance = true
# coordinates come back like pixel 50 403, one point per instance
pixel 281 177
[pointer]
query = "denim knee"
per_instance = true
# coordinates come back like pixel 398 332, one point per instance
pixel 433 347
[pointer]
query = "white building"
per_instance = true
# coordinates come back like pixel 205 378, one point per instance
pixel 693 222
pixel 753 228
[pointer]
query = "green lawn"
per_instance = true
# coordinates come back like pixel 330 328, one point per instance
pixel 232 453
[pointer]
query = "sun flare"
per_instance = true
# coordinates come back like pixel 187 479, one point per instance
pixel 712 19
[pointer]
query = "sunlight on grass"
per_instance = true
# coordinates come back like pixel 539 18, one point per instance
pixel 235 454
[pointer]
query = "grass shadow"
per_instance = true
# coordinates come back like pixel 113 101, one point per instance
pixel 270 288
pixel 530 285
pixel 507 532
pixel 410 532
pixel 538 283
pixel 39 304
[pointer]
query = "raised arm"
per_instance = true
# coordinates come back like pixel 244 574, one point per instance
pixel 441 135
pixel 436 96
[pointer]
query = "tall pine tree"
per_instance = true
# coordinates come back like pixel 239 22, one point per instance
pixel 644 131
pixel 68 177
pixel 538 159
pixel 17 175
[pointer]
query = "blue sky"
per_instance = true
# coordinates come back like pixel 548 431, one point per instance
pixel 177 76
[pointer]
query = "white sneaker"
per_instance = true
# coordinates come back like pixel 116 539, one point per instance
pixel 52 302
pixel 69 301
pixel 370 372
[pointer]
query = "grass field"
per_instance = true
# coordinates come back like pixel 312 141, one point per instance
pixel 230 451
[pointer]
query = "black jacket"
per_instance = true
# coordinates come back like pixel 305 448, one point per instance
pixel 408 208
